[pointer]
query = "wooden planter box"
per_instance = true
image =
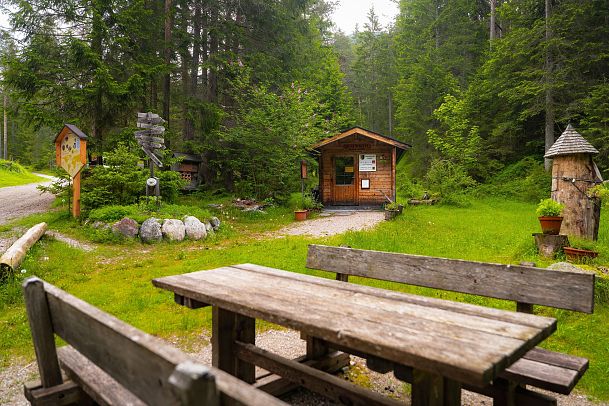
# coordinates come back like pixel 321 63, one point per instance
pixel 390 214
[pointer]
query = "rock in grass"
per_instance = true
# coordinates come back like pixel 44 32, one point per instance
pixel 100 225
pixel 126 227
pixel 208 227
pixel 173 230
pixel 195 230
pixel 215 223
pixel 565 266
pixel 151 231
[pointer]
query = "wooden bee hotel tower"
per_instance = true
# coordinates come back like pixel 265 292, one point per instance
pixel 573 173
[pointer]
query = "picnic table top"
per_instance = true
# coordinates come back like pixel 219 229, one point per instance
pixel 467 343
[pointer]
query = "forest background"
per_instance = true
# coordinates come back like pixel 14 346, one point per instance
pixel 479 88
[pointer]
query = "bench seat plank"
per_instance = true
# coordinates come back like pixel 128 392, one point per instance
pixel 96 383
pixel 547 370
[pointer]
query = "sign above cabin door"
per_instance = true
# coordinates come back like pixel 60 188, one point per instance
pixel 344 181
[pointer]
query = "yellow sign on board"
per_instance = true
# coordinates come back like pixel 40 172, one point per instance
pixel 70 154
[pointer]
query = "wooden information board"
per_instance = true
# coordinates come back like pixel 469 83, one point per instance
pixel 71 155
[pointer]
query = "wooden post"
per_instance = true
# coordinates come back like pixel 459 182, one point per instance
pixel 195 384
pixel 430 389
pixel 228 327
pixel 76 196
pixel 41 327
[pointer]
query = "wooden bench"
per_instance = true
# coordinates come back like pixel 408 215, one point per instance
pixel 527 286
pixel 109 362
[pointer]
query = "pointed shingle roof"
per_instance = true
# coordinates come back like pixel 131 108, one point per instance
pixel 569 143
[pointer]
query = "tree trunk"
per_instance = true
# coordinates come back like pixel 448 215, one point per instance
pixel 549 102
pixel 5 150
pixel 212 83
pixel 493 23
pixel 167 59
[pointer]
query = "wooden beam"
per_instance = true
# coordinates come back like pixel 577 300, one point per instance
pixel 430 389
pixel 67 393
pixel 317 381
pixel 227 328
pixel 41 327
pixel 188 302
pixel 278 386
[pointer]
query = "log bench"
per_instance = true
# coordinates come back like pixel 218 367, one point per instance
pixel 109 362
pixel 527 286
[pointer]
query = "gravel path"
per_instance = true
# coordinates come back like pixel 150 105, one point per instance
pixel 286 343
pixel 334 222
pixel 20 201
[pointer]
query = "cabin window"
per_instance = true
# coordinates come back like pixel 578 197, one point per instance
pixel 344 167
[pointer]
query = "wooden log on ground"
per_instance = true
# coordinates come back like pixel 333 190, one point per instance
pixel 418 202
pixel 13 257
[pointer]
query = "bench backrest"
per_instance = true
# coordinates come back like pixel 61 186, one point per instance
pixel 154 371
pixel 523 284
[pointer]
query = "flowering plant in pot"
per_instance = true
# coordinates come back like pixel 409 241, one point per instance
pixel 550 216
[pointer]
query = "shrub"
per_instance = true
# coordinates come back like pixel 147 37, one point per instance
pixel 549 208
pixel 112 213
pixel 451 181
pixel 11 166
pixel 123 181
pixel 524 180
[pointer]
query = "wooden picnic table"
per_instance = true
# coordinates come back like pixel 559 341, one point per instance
pixel 447 344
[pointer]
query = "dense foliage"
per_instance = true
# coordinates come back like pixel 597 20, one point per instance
pixel 122 180
pixel 245 84
pixel 481 96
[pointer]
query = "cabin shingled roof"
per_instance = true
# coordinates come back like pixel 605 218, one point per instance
pixel 569 143
pixel 366 133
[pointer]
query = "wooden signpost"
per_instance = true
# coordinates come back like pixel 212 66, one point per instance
pixel 71 155
pixel 151 140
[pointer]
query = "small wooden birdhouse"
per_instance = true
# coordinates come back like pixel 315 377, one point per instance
pixel 573 173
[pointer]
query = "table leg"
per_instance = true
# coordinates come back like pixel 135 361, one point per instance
pixel 316 348
pixel 227 327
pixel 430 389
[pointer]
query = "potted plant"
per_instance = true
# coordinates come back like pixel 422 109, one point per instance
pixel 300 214
pixel 392 210
pixel 550 216
pixel 580 250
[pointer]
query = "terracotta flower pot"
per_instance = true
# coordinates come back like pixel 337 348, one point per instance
pixel 550 225
pixel 300 215
pixel 579 255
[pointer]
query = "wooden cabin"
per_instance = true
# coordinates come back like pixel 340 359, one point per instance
pixel 357 168
pixel 188 167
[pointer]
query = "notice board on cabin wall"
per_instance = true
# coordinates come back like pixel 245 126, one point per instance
pixel 367 163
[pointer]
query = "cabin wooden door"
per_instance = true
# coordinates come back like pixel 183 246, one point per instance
pixel 344 181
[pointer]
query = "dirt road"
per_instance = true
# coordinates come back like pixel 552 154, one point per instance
pixel 20 201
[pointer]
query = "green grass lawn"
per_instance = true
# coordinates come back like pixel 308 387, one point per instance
pixel 9 178
pixel 116 277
